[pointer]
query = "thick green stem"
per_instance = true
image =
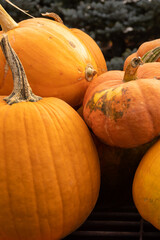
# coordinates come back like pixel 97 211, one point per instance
pixel 131 69
pixel 7 23
pixel 151 55
pixel 22 91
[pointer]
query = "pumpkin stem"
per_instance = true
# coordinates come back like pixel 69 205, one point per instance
pixel 131 69
pixel 90 72
pixel 22 91
pixel 151 55
pixel 53 15
pixel 7 23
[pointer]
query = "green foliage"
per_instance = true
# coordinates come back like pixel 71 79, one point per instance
pixel 114 25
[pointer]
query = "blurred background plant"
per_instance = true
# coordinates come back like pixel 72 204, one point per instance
pixel 118 27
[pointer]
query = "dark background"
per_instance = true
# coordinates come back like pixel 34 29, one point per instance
pixel 118 27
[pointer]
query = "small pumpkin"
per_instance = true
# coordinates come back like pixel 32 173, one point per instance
pixel 50 173
pixel 57 63
pixel 119 112
pixel 146 187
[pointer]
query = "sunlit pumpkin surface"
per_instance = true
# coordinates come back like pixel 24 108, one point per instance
pixel 50 173
pixel 94 48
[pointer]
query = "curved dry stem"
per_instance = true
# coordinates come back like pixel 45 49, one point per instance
pixel 22 91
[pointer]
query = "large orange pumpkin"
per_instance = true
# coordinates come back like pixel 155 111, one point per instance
pixel 50 174
pixel 57 63
pixel 146 186
pixel 123 114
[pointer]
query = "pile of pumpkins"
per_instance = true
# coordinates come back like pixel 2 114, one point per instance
pixel 53 156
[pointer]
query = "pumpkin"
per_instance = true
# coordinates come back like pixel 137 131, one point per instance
pixel 50 173
pixel 94 48
pixel 148 51
pixel 123 113
pixel 56 62
pixel 146 188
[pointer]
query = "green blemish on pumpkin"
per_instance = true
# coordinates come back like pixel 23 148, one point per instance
pixel 113 106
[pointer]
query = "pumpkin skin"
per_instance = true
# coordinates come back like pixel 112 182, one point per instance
pixel 55 60
pixel 50 174
pixel 115 77
pixel 149 70
pixel 146 189
pixel 108 77
pixel 125 115
pixel 94 49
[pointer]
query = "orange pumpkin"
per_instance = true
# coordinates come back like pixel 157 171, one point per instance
pixel 146 187
pixel 94 48
pixel 50 174
pixel 119 112
pixel 57 63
